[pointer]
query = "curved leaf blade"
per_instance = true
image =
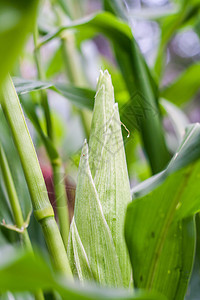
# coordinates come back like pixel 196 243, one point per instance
pixel 80 97
pixel 160 221
pixel 184 87
pixel 21 271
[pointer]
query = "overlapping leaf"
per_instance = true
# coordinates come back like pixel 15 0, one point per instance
pixel 184 87
pixel 159 224
pixel 21 271
pixel 81 97
pixel 17 173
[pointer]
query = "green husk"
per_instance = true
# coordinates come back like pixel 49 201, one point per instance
pixel 103 192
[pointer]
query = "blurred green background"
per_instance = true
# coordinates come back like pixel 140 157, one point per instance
pixel 152 51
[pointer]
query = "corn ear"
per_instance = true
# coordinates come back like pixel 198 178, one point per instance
pixel 102 195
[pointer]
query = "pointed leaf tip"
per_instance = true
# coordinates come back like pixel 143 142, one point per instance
pixel 105 80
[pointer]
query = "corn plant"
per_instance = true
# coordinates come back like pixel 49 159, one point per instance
pixel 134 230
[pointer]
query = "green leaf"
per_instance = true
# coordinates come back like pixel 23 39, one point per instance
pixel 81 97
pixel 196 26
pixel 21 271
pixel 141 111
pixel 184 88
pixel 160 221
pixel 78 96
pixel 104 22
pixel 17 174
pixel 55 64
pixel 24 86
pixel 194 286
pixel 117 6
pixel 121 93
pixel 102 195
pixel 170 25
pixel 67 7
pixel 16 19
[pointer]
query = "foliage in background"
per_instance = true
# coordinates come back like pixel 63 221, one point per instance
pixel 162 222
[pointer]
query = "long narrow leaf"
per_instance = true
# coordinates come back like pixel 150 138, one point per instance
pixel 184 87
pixel 80 97
pixel 160 222
pixel 21 272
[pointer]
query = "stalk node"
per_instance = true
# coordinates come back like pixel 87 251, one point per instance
pixel 43 213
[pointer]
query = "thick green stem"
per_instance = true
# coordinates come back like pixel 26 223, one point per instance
pixel 15 206
pixel 59 184
pixel 71 59
pixel 42 208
